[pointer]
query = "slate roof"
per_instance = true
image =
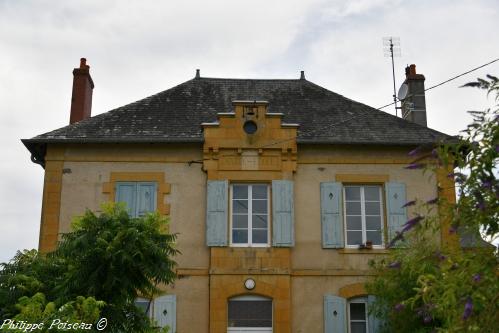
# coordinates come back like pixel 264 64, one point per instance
pixel 175 115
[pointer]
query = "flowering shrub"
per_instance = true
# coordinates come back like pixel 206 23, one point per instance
pixel 428 286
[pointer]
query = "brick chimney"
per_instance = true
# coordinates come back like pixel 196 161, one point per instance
pixel 414 104
pixel 81 99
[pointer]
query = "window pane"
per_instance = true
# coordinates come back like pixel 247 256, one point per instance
pixel 371 193
pixel 259 236
pixel 373 222
pixel 259 191
pixel 353 208
pixel 357 311
pixel 240 206
pixel 374 236
pixel 354 223
pixel 143 305
pixel 354 237
pixel 240 221
pixel 260 206
pixel 259 221
pixel 250 314
pixel 239 236
pixel 352 193
pixel 358 327
pixel 372 208
pixel 240 191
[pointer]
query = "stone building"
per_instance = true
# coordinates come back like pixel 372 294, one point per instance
pixel 281 191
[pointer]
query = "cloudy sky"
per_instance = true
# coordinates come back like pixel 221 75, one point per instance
pixel 138 48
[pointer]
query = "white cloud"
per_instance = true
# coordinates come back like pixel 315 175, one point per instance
pixel 137 48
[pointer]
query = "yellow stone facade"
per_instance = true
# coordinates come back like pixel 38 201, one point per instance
pixel 78 177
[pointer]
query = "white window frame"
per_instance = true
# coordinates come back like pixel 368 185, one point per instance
pixel 363 215
pixel 357 300
pixel 250 215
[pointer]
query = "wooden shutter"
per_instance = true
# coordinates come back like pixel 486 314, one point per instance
pixel 146 198
pixel 335 319
pixel 282 213
pixel 126 192
pixel 216 212
pixel 373 322
pixel 331 215
pixel 165 311
pixel 396 214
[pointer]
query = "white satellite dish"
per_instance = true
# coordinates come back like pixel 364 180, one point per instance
pixel 403 90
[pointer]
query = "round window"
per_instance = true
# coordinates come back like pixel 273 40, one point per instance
pixel 250 127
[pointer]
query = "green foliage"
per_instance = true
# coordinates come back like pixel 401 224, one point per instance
pixel 431 287
pixel 25 275
pixel 47 317
pixel 108 257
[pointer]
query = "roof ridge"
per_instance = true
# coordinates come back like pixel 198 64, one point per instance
pixel 243 79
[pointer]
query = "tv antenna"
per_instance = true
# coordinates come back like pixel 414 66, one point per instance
pixel 391 48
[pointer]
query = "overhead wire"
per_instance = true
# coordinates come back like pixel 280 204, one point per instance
pixel 449 80
pixel 328 126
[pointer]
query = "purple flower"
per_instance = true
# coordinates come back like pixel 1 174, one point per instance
pixel 487 184
pixel 432 201
pixel 453 229
pixel 415 151
pixel 399 307
pixel 410 203
pixel 412 222
pixel 497 148
pixel 395 265
pixel 468 308
pixel 440 256
pixel 399 236
pixel 480 205
pixel 434 153
pixel 477 278
pixel 413 166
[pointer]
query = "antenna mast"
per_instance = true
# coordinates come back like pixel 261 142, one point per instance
pixel 391 48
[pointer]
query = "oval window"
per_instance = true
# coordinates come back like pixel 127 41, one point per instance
pixel 250 127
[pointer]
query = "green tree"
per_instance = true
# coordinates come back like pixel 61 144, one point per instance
pixel 426 286
pixel 105 261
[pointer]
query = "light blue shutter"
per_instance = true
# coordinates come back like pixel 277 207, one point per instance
pixel 397 215
pixel 331 215
pixel 146 198
pixel 335 319
pixel 216 212
pixel 282 213
pixel 126 192
pixel 373 322
pixel 165 312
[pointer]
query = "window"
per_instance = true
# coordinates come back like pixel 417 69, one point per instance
pixel 250 215
pixel 139 197
pixel 363 215
pixel 357 315
pixel 249 314
pixel 144 305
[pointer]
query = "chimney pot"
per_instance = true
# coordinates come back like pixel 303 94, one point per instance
pixel 81 98
pixel 412 69
pixel 198 74
pixel 302 75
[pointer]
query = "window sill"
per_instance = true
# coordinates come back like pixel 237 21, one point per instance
pixel 364 251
